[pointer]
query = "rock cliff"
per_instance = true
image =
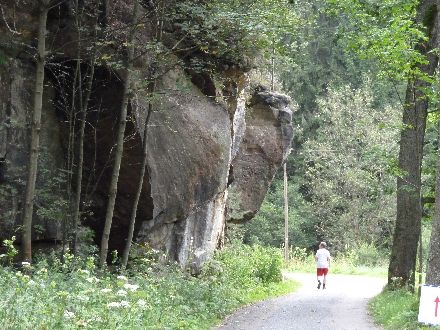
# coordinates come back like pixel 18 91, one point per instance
pixel 215 141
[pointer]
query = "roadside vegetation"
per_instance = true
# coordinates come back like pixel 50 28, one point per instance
pixel 152 294
pixel 396 310
pixel 365 260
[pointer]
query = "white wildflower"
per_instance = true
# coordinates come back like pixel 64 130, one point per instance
pixel 141 303
pixel 69 315
pixel 31 282
pixel 25 264
pixel 124 303
pixel 122 277
pixel 114 304
pixel 106 290
pixel 92 279
pixel 82 298
pixel 42 271
pixel 121 293
pixel 131 287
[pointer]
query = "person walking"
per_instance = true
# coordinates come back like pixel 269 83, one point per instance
pixel 322 258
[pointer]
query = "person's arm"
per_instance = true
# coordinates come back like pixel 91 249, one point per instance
pixel 329 258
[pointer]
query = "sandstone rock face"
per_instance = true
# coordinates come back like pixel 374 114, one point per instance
pixel 264 148
pixel 195 149
pixel 189 144
pixel 214 146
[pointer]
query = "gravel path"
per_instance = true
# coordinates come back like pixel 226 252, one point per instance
pixel 342 306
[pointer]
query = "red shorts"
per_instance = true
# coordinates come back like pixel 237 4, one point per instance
pixel 321 271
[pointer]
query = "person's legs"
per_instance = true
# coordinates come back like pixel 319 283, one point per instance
pixel 318 274
pixel 324 278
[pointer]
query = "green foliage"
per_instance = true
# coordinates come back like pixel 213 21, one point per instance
pixel 11 251
pixel 350 188
pixel 395 310
pixel 235 31
pixel 75 294
pixel 267 228
pixel 385 31
pixel 244 263
pixel 356 261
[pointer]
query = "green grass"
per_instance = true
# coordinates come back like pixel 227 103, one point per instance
pixel 339 265
pixel 76 295
pixel 397 310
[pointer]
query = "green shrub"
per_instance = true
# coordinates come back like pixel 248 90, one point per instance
pixel 75 294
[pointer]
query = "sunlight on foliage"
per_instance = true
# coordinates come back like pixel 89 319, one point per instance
pixel 75 294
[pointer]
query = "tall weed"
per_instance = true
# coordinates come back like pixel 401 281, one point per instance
pixel 75 294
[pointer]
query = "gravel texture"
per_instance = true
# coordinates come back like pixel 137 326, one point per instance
pixel 341 306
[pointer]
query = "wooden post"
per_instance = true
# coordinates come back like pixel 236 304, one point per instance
pixel 286 216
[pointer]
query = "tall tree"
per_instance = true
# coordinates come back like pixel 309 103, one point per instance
pixel 402 265
pixel 120 138
pixel 43 8
pixel 84 103
pixel 158 29
pixel 433 267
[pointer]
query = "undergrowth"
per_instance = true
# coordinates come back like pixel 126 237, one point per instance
pixel 74 294
pixel 365 260
pixel 397 310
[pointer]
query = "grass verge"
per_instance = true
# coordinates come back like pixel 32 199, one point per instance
pixel 397 310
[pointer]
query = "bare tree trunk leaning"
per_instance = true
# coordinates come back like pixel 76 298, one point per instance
pixel 119 142
pixel 401 271
pixel 35 134
pixel 139 190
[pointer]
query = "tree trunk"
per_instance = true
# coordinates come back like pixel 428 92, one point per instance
pixel 401 271
pixel 433 270
pixel 79 175
pixel 35 134
pixel 433 267
pixel 139 190
pixel 119 142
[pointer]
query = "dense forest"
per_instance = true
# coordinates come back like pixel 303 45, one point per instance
pixel 137 136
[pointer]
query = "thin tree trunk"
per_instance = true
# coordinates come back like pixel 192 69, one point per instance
pixel 119 142
pixel 139 190
pixel 35 134
pixel 401 271
pixel 70 157
pixel 286 215
pixel 84 106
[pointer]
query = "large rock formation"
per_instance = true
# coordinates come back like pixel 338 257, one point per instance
pixel 214 145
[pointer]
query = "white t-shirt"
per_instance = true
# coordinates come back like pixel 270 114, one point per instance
pixel 322 258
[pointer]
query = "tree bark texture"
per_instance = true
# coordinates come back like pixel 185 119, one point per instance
pixel 401 271
pixel 433 269
pixel 35 134
pixel 119 141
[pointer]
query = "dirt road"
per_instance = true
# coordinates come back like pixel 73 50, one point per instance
pixel 342 306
